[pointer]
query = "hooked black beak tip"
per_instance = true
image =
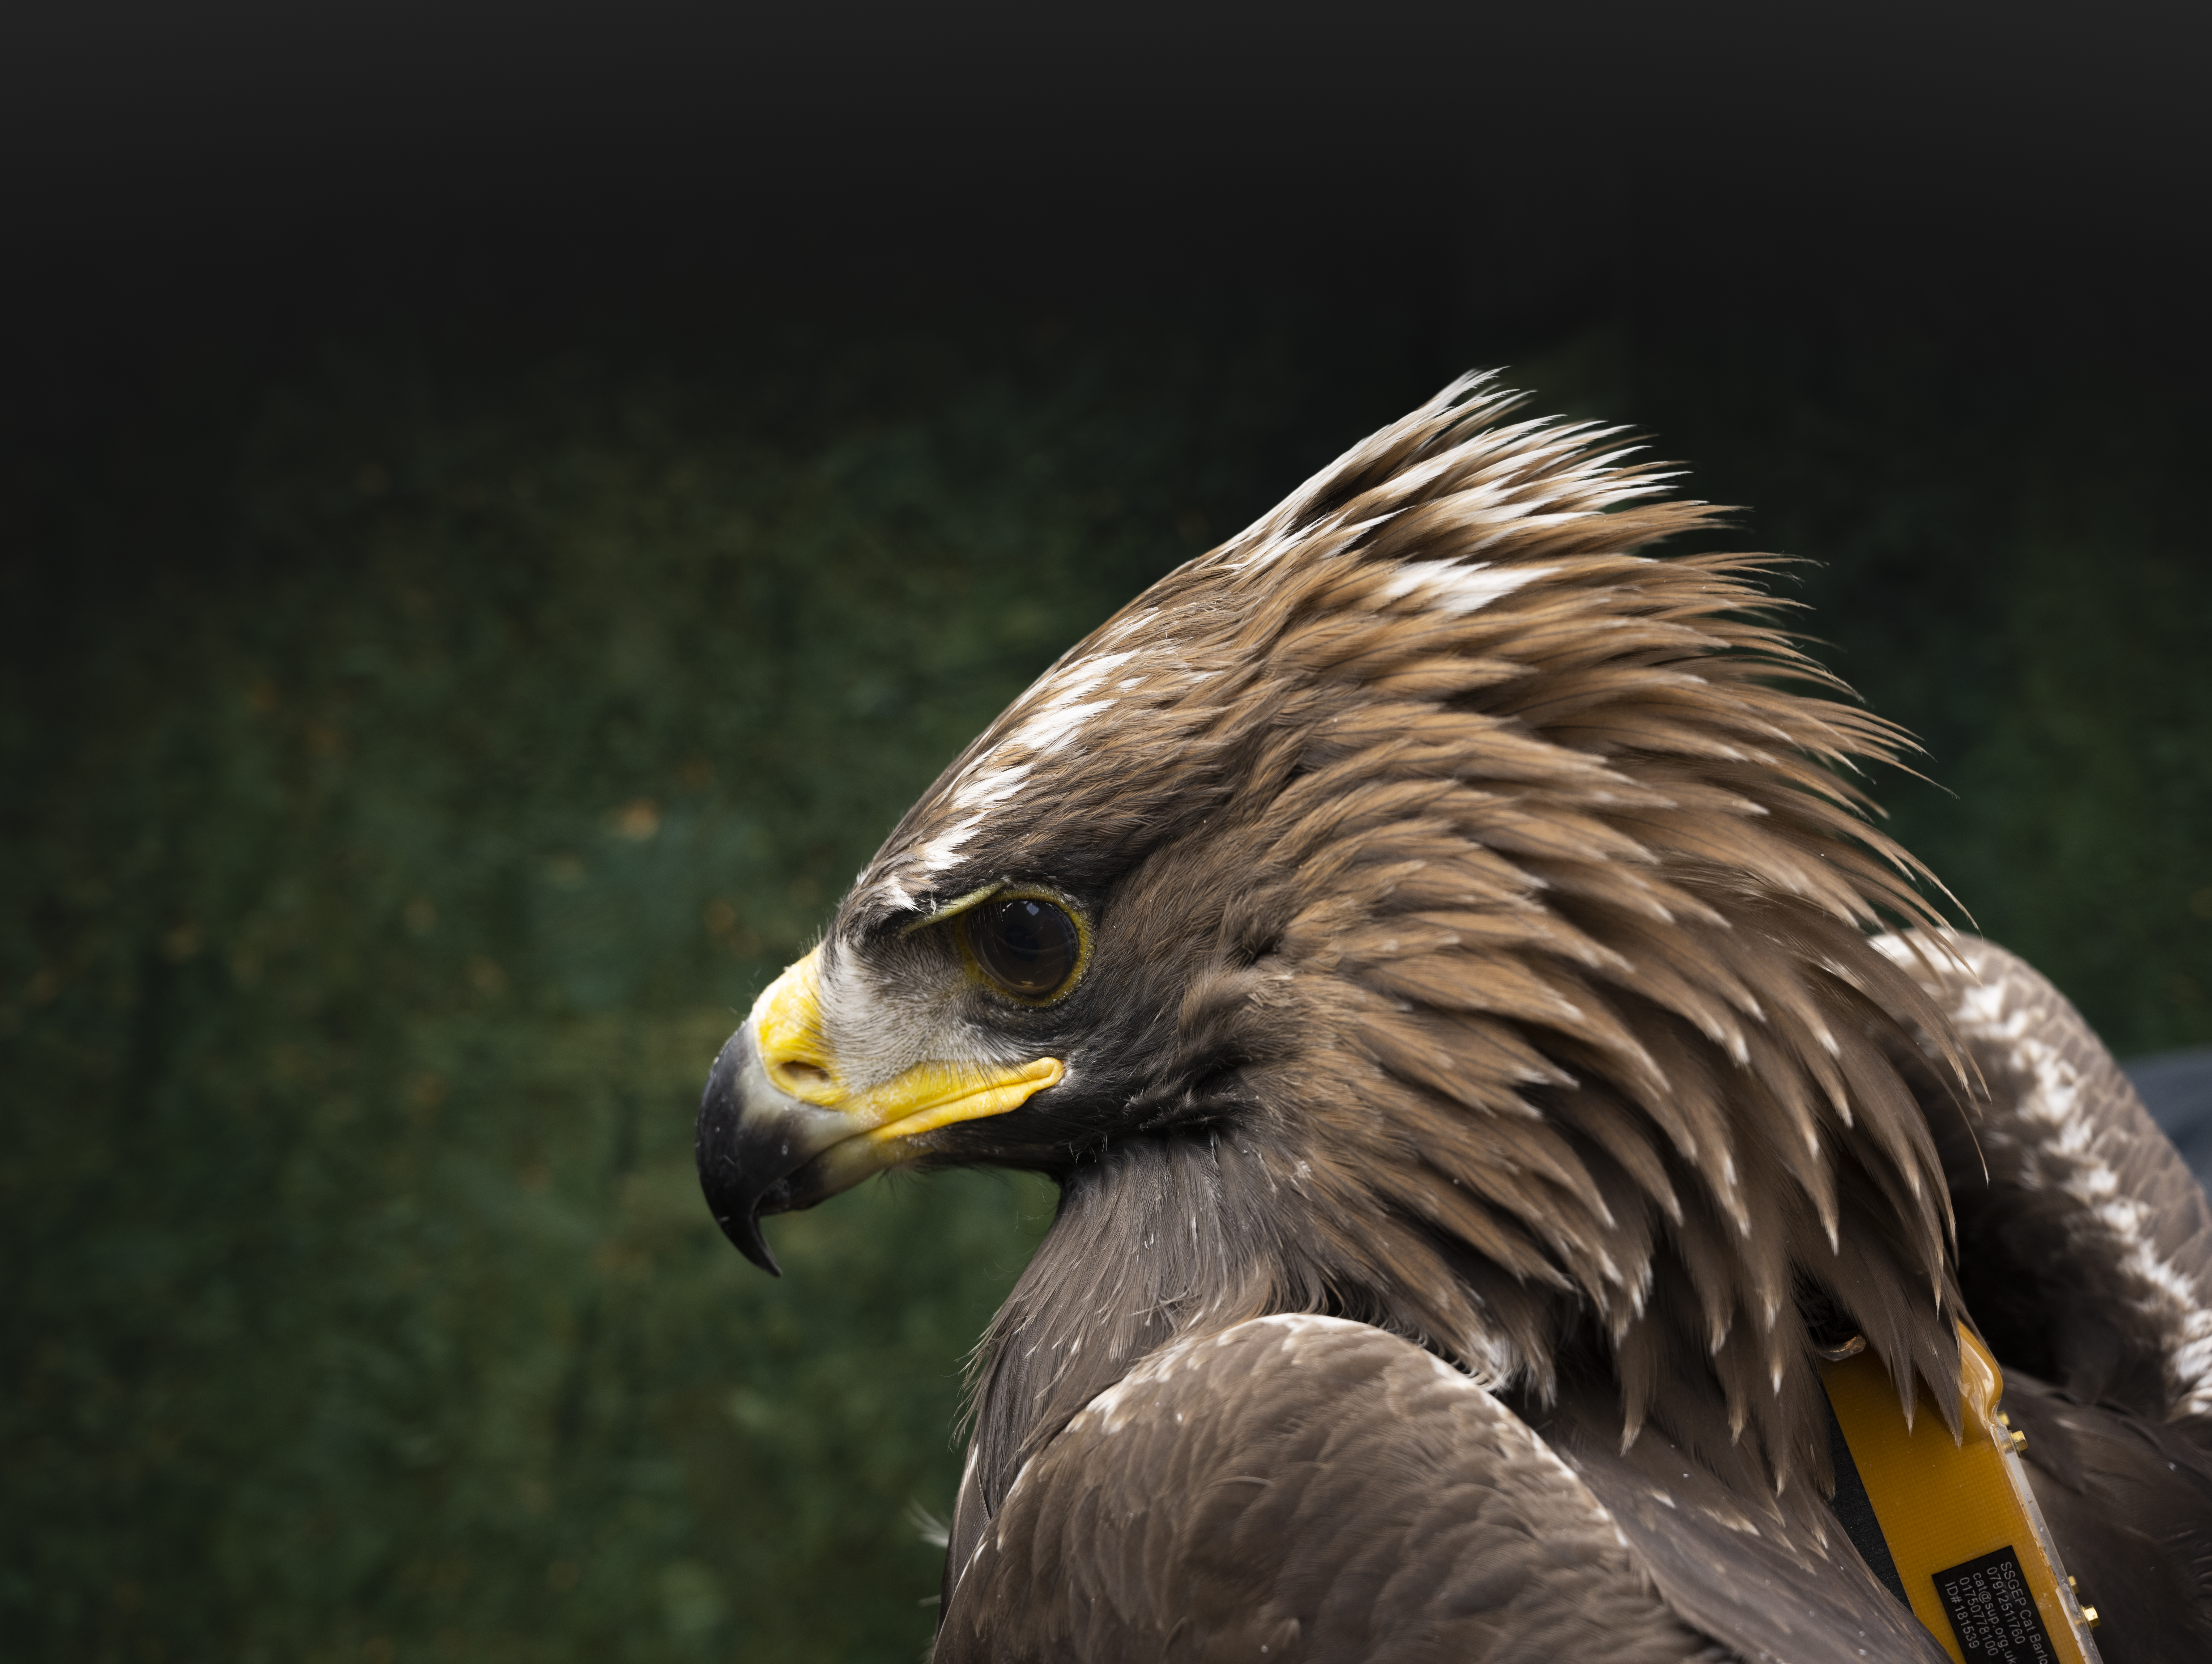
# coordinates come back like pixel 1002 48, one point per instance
pixel 744 1229
pixel 745 1163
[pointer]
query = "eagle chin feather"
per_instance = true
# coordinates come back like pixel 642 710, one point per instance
pixel 1486 948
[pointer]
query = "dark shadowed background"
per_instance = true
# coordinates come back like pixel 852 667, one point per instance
pixel 504 505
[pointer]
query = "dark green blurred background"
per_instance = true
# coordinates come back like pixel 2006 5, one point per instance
pixel 444 673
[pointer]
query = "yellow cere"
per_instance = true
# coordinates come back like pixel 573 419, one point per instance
pixel 787 1029
pixel 797 1058
pixel 1960 1516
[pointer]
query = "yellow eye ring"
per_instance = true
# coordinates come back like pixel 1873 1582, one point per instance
pixel 1027 945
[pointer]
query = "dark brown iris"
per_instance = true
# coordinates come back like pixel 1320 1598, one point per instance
pixel 1026 944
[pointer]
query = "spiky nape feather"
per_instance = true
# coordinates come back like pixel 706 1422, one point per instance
pixel 1492 911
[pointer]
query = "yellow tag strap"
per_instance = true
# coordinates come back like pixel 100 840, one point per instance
pixel 1978 1563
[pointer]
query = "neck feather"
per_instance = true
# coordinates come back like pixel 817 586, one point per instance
pixel 1159 1237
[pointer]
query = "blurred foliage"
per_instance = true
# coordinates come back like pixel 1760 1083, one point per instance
pixel 416 759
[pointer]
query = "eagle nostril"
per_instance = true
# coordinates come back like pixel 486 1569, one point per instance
pixel 800 1079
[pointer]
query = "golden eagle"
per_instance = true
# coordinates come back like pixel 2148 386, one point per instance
pixel 1501 1087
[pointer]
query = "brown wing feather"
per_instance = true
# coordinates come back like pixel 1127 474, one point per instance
pixel 2085 1242
pixel 1305 1488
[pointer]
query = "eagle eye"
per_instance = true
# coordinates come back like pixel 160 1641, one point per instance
pixel 1025 944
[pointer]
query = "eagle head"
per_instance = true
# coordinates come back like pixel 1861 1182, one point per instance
pixel 1432 907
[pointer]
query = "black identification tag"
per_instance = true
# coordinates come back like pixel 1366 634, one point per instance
pixel 1993 1613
